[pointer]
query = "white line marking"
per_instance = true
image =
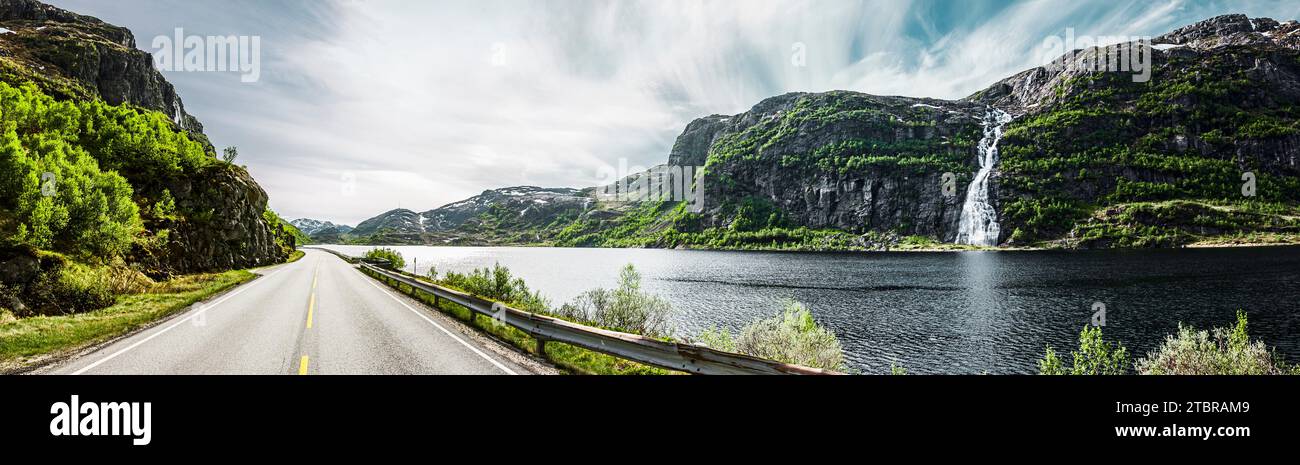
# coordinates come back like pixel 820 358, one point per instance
pixel 436 325
pixel 178 323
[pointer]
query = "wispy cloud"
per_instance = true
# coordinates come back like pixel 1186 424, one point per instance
pixel 424 103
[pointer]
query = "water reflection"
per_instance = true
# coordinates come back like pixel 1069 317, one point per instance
pixel 935 312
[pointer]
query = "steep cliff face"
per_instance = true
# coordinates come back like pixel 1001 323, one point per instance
pixel 217 220
pixel 842 160
pixel 1090 148
pixel 71 55
pixel 225 229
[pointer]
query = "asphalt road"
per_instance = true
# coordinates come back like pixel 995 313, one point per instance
pixel 314 316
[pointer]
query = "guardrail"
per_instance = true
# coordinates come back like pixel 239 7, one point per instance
pixel 678 356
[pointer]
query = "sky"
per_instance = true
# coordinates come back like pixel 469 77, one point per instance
pixel 366 106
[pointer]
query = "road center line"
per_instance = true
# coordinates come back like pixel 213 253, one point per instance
pixel 436 325
pixel 311 302
pixel 178 323
pixel 302 366
pixel 311 307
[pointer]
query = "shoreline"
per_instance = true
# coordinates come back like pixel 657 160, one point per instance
pixel 924 250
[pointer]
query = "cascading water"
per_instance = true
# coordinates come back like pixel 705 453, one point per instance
pixel 979 221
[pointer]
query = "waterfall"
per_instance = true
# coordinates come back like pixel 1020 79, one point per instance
pixel 979 221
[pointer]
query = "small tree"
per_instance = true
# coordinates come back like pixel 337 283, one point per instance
pixel 229 154
pixel 626 308
pixel 394 258
pixel 1221 351
pixel 792 336
pixel 1094 357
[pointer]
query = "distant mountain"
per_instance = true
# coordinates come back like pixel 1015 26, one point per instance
pixel 1089 158
pixel 513 211
pixel 309 226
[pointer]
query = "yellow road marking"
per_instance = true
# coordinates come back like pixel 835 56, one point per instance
pixel 311 308
pixel 311 304
pixel 302 367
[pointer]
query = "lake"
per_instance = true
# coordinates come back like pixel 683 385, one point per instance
pixel 934 313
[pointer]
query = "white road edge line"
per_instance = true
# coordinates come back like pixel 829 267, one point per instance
pixel 178 323
pixel 436 325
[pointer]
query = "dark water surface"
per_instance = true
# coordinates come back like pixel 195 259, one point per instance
pixel 952 313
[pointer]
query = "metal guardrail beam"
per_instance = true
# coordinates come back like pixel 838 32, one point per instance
pixel 678 356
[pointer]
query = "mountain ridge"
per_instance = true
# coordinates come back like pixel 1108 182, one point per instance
pixel 1092 159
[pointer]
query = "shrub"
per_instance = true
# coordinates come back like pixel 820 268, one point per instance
pixel 790 337
pixel 393 257
pixel 70 288
pixel 626 308
pixel 1094 357
pixel 717 338
pixel 102 158
pixel 498 284
pixel 63 201
pixel 896 369
pixel 1221 351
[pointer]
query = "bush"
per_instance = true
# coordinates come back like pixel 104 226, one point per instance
pixel 1094 357
pixel 63 201
pixel 393 257
pixel 71 288
pixel 497 284
pixel 790 337
pixel 102 158
pixel 626 308
pixel 1221 351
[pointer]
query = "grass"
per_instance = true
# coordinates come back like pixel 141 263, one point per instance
pixel 293 257
pixel 569 358
pixel 27 341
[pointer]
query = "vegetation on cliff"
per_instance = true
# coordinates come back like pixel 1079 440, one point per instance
pixel 1167 156
pixel 107 186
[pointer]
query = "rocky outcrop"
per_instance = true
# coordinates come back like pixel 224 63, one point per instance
pixel 844 160
pixel 220 221
pixel 234 234
pixel 1220 103
pixel 692 147
pixel 1236 29
pixel 1041 88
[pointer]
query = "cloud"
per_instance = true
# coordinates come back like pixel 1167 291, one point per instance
pixel 424 103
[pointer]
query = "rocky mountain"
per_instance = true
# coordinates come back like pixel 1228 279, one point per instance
pixel 514 211
pixel 309 226
pixel 1095 159
pixel 75 56
pixel 198 213
pixel 1088 158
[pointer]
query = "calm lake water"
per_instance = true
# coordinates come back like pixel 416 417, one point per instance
pixel 949 313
